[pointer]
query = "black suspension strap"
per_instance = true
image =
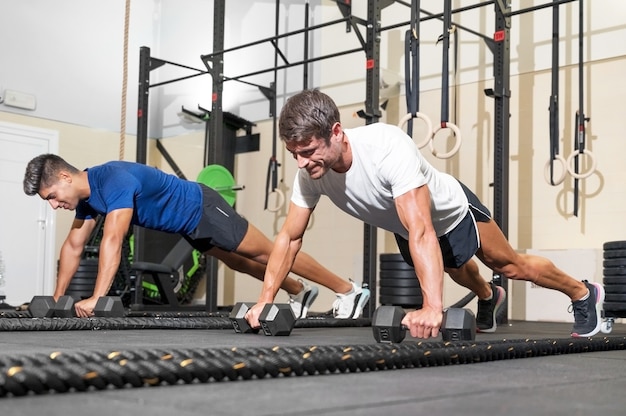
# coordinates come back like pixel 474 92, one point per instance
pixel 412 76
pixel 580 120
pixel 445 84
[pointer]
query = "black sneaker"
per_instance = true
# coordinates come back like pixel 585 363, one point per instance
pixel 587 317
pixel 488 309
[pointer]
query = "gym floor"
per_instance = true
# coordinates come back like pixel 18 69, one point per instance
pixel 555 384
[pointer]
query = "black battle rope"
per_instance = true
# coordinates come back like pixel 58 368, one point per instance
pixel 130 323
pixel 68 372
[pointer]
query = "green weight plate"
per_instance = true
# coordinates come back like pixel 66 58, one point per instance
pixel 219 178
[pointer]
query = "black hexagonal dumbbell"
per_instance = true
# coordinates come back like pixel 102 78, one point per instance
pixel 64 307
pixel 109 307
pixel 237 318
pixel 458 324
pixel 276 319
pixel 42 307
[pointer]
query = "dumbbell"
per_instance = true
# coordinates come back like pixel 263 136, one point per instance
pixel 457 325
pixel 276 319
pixel 46 307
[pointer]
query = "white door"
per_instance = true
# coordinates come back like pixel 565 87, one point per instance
pixel 27 223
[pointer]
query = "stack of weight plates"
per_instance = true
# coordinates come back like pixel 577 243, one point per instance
pixel 84 280
pixel 398 282
pixel 615 279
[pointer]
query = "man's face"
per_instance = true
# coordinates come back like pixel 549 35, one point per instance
pixel 61 194
pixel 315 156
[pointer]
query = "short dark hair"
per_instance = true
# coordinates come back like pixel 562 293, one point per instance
pixel 307 114
pixel 42 172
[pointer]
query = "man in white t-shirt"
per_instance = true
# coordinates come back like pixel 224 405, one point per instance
pixel 377 174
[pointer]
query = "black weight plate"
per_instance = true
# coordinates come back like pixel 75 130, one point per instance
pixel 614 245
pixel 395 265
pixel 615 297
pixel 82 281
pixel 614 306
pixel 614 254
pixel 614 280
pixel 614 271
pixel 390 257
pixel 405 301
pixel 615 288
pixel 400 291
pixel 84 275
pixel 399 283
pixel 83 294
pixel 614 263
pixel 398 274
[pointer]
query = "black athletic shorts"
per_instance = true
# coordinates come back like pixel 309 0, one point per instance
pixel 460 244
pixel 219 226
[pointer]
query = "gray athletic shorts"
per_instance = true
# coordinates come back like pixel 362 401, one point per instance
pixel 460 244
pixel 219 226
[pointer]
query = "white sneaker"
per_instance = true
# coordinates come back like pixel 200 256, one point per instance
pixel 350 305
pixel 301 302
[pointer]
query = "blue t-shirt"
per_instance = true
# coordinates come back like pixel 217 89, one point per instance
pixel 160 201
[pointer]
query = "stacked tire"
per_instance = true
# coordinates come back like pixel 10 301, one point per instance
pixel 398 284
pixel 614 272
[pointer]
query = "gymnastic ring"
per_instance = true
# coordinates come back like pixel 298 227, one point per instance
pixel 591 170
pixel 455 148
pixel 280 197
pixel 546 171
pixel 426 119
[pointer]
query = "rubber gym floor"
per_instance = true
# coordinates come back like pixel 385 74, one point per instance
pixel 525 368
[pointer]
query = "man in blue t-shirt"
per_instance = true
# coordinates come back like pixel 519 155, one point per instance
pixel 135 194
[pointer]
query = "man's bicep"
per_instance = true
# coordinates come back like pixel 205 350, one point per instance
pixel 117 222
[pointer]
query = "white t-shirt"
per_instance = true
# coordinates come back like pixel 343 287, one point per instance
pixel 386 163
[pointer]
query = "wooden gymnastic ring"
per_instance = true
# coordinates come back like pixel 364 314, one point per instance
pixel 546 171
pixel 280 198
pixel 584 175
pixel 429 126
pixel 455 148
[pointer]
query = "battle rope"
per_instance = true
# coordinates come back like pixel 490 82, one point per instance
pixel 155 322
pixel 67 372
pixel 445 123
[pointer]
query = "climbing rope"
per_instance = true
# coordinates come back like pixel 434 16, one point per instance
pixel 124 81
pixel 79 371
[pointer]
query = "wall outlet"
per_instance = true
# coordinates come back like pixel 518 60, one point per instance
pixel 20 100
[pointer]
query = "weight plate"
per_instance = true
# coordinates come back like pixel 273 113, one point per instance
pixel 613 245
pixel 400 291
pixel 614 271
pixel 615 297
pixel 219 178
pixel 614 280
pixel 614 263
pixel 390 257
pixel 82 281
pixel 395 265
pixel 614 306
pixel 614 254
pixel 404 301
pixel 398 274
pixel 615 288
pixel 400 283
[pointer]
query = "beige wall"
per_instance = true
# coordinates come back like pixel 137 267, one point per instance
pixel 540 214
